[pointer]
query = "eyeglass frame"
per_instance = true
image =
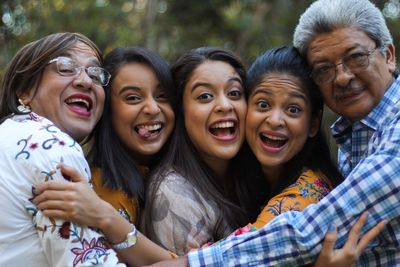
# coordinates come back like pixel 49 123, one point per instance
pixel 78 72
pixel 332 66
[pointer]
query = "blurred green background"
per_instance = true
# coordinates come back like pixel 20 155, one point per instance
pixel 169 27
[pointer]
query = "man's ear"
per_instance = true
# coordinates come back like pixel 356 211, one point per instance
pixel 390 54
pixel 315 125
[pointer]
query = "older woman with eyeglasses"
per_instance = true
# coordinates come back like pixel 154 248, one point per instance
pixel 48 104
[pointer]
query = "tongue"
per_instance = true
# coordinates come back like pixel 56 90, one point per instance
pixel 220 131
pixel 274 143
pixel 144 133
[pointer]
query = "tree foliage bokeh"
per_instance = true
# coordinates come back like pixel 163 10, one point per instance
pixel 169 27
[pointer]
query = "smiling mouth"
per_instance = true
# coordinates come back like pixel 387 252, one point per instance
pixel 80 103
pixel 149 130
pixel 352 92
pixel 273 141
pixel 223 129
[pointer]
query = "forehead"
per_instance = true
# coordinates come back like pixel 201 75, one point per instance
pixel 328 46
pixel 212 70
pixel 281 83
pixel 82 53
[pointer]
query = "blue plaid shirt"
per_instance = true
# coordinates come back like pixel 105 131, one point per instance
pixel 369 157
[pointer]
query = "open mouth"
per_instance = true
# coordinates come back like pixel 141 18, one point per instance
pixel 273 141
pixel 80 103
pixel 149 130
pixel 223 129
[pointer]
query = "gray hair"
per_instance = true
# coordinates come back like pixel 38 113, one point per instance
pixel 327 15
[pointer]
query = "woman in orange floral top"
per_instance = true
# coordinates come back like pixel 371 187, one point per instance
pixel 283 131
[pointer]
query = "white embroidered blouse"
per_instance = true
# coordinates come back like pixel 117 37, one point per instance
pixel 30 149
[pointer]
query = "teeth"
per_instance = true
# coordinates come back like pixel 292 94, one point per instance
pixel 276 138
pixel 227 124
pixel 153 127
pixel 73 100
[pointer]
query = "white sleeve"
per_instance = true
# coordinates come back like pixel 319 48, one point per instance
pixel 64 243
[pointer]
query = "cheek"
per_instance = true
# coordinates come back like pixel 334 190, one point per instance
pixel 252 122
pixel 100 97
pixel 300 133
pixel 169 120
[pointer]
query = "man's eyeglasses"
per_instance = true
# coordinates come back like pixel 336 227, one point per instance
pixel 354 62
pixel 68 67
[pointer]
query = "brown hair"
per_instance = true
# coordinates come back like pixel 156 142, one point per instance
pixel 25 70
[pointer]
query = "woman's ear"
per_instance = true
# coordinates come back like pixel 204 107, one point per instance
pixel 315 125
pixel 24 99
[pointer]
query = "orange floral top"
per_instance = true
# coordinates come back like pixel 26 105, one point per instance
pixel 309 188
pixel 127 207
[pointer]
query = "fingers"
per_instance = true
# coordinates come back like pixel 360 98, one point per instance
pixel 50 185
pixel 329 241
pixel 354 234
pixel 326 254
pixel 58 214
pixel 52 204
pixel 369 236
pixel 71 174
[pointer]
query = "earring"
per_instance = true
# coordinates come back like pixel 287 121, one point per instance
pixel 22 107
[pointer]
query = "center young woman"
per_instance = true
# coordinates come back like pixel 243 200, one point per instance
pixel 194 196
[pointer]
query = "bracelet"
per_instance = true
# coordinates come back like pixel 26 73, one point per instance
pixel 130 240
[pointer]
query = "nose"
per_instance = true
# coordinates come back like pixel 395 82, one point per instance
pixel 275 118
pixel 224 104
pixel 82 80
pixel 343 75
pixel 151 107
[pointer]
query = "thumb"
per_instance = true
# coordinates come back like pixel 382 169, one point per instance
pixel 71 174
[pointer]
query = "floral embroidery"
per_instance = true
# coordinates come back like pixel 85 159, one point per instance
pixel 90 252
pixel 280 206
pixel 24 142
pixel 63 232
pixel 309 188
pixel 33 146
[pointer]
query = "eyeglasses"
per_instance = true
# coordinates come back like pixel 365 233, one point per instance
pixel 68 67
pixel 354 62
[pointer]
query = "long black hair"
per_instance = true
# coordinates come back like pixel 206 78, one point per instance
pixel 119 169
pixel 315 154
pixel 183 157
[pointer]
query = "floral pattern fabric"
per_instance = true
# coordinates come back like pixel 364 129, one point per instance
pixel 309 188
pixel 183 218
pixel 31 147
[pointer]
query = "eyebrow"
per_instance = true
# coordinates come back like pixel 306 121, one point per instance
pixel 355 46
pixel 129 88
pixel 292 94
pixel 208 85
pixel 298 95
pixel 92 61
